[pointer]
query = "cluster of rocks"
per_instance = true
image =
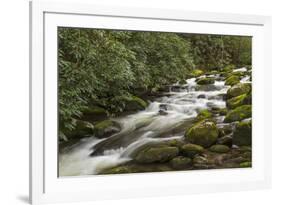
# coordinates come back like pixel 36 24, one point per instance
pixel 207 144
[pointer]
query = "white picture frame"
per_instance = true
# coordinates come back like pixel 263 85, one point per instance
pixel 46 187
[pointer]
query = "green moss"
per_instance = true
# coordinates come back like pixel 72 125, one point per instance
pixel 238 89
pixel 135 103
pixel 156 154
pixel 196 73
pixel 237 101
pixel 242 136
pixel 239 113
pixel 219 148
pixel 245 164
pixel 232 80
pixel 203 114
pixel 95 110
pixel 106 128
pixel 205 81
pixel 204 133
pixel 190 150
pixel 181 162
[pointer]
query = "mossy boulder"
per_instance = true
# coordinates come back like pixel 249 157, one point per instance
pixel 181 162
pixel 135 103
pixel 238 101
pixel 204 133
pixel 238 89
pixel 219 148
pixel 106 128
pixel 190 150
pixel 242 135
pixel 239 113
pixel 205 81
pixel 156 154
pixel 203 114
pixel 196 72
pixel 232 80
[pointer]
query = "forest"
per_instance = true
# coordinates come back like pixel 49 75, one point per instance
pixel 104 69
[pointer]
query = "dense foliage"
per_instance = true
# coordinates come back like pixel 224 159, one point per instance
pixel 104 68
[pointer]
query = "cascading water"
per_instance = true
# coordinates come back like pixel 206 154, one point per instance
pixel 156 123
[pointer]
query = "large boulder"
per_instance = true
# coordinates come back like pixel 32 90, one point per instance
pixel 242 136
pixel 239 113
pixel 238 89
pixel 205 81
pixel 204 133
pixel 239 100
pixel 156 154
pixel 106 128
pixel 181 162
pixel 135 103
pixel 190 150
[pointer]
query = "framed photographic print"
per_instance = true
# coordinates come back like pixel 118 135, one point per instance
pixel 130 102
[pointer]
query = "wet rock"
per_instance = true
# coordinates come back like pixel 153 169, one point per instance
pixel 225 140
pixel 238 89
pixel 242 136
pixel 204 133
pixel 175 143
pixel 201 96
pixel 200 160
pixel 205 81
pixel 156 154
pixel 106 128
pixel 234 102
pixel 239 113
pixel 225 129
pixel 203 114
pixel 219 148
pixel 135 103
pixel 181 162
pixel 163 107
pixel 162 112
pixel 190 150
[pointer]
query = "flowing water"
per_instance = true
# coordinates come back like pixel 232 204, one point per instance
pixel 165 118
